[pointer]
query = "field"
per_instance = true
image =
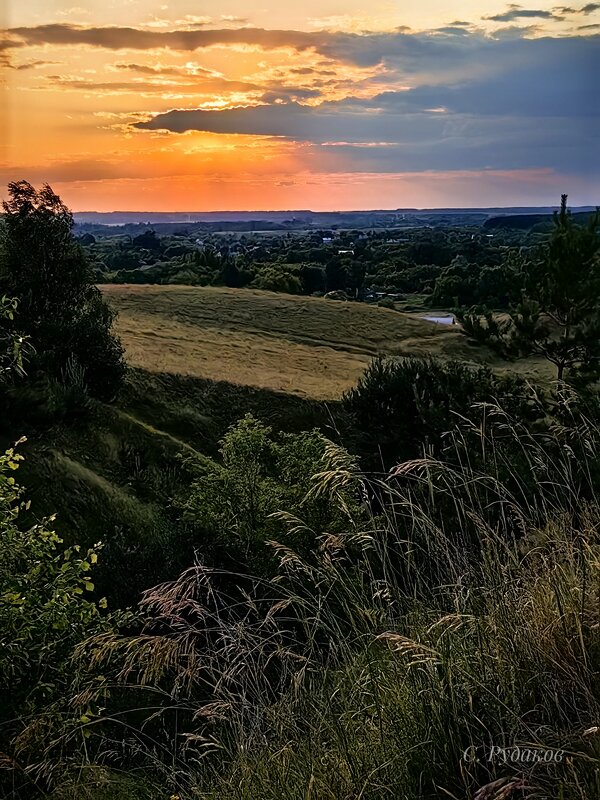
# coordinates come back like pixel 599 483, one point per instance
pixel 306 346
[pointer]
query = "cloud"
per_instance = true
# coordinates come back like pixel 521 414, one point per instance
pixel 452 30
pixel 33 65
pixel 203 86
pixel 10 44
pixel 457 98
pixel 512 31
pixel 75 11
pixel 76 170
pixel 398 139
pixel 288 120
pixel 534 104
pixel 522 78
pixel 515 12
pixel 159 69
pixel 193 19
pixel 312 71
pixel 411 56
pixel 127 38
pixel 366 49
pixel 588 9
pixel 289 94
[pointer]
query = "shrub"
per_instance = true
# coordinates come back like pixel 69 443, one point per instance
pixel 386 302
pixel 275 279
pixel 46 609
pixel 402 407
pixel 234 503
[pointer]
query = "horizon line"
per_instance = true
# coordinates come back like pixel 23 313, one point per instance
pixel 337 211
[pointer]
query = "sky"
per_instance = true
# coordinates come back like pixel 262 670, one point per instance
pixel 191 105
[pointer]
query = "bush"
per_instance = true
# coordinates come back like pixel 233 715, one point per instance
pixel 387 303
pixel 46 609
pixel 273 279
pixel 403 407
pixel 233 504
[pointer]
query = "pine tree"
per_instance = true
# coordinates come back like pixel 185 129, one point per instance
pixel 558 313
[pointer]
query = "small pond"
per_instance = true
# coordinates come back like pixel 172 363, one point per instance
pixel 446 319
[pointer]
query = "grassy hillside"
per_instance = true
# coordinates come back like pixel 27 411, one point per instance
pixel 111 475
pixel 306 346
pixel 201 358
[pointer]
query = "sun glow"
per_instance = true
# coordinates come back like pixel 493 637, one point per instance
pixel 292 103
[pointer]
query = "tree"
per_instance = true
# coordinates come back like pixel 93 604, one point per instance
pixel 456 284
pixel 312 277
pixel 356 277
pixel 148 239
pixel 336 276
pixel 59 308
pixel 229 274
pixel 277 278
pixel 558 313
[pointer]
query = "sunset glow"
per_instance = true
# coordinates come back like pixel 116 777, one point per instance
pixel 186 105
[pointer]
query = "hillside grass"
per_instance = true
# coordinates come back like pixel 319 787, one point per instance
pixel 110 475
pixel 456 622
pixel 305 346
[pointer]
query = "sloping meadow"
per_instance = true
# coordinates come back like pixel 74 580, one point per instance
pixel 445 644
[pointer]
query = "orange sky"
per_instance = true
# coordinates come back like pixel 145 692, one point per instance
pixel 187 105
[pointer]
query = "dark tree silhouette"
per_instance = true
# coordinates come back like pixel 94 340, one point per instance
pixel 59 308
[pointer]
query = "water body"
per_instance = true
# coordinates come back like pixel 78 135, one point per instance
pixel 440 320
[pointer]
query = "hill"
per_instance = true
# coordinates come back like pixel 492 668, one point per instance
pixel 528 221
pixel 200 359
pixel 299 218
pixel 307 346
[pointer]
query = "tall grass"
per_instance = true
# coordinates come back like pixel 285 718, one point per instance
pixel 457 620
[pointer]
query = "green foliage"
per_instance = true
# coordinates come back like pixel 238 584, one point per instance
pixel 312 277
pixel 391 663
pixel 431 250
pixel 59 308
pixel 496 285
pixel 392 624
pixel 46 609
pixel 336 276
pixel 276 278
pixel 185 277
pixel 230 275
pixel 345 260
pixel 465 284
pixel 234 502
pixel 558 314
pixel 148 240
pixel 402 407
pixel 387 302
pixel 12 346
